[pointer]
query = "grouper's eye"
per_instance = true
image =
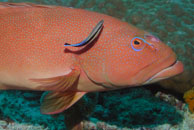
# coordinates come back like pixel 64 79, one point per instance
pixel 137 43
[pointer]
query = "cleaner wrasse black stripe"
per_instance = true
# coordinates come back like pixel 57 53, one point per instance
pixel 95 32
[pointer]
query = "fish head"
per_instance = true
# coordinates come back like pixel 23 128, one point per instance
pixel 140 58
pixel 131 57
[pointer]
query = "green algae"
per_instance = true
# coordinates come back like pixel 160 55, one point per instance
pixel 135 107
pixel 24 107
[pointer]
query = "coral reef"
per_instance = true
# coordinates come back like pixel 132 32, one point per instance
pixel 133 108
pixel 186 124
pixel 24 108
pixel 189 98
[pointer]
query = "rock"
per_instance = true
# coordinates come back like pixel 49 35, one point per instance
pixel 3 123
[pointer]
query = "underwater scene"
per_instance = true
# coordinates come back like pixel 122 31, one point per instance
pixel 114 75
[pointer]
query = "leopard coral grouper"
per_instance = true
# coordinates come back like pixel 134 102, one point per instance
pixel 70 52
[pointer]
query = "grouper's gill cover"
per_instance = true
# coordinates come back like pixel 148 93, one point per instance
pixel 112 55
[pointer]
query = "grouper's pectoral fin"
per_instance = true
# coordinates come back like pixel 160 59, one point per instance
pixel 59 83
pixel 56 102
pixel 60 97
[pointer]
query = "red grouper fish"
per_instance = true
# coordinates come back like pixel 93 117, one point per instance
pixel 69 52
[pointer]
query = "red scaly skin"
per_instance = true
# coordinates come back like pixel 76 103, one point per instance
pixel 32 46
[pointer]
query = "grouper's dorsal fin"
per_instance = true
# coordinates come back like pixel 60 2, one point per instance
pixel 4 5
pixel 95 32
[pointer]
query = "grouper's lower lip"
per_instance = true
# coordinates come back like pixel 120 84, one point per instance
pixel 174 69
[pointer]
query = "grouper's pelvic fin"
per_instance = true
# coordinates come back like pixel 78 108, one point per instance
pixel 57 102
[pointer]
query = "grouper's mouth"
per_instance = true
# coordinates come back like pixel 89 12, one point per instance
pixel 173 69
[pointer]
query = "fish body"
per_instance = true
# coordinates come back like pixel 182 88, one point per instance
pixel 33 55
